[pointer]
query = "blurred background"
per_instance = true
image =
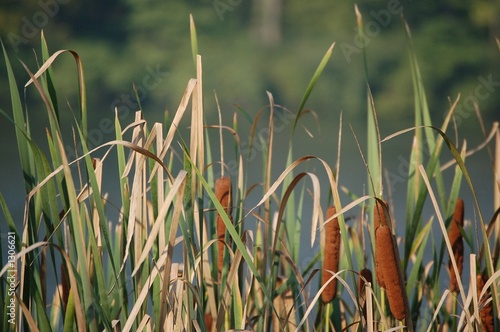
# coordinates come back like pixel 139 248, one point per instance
pixel 253 46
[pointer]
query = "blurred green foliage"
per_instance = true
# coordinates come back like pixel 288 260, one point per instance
pixel 122 41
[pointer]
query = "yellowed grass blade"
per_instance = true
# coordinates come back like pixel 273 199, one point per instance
pixel 26 315
pixel 197 146
pixel 160 219
pixel 175 122
pixel 493 133
pixel 445 234
pixel 145 324
pixel 228 288
pixel 496 193
pixel 178 208
pixel 312 305
pixel 287 171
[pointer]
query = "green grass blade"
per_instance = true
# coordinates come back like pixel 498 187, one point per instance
pixel 81 84
pixel 20 126
pixel 311 85
pixel 78 232
pixel 419 246
pixel 50 88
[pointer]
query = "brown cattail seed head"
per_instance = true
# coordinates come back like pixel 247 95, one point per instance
pixel 224 196
pixel 208 322
pixel 486 312
pixel 379 216
pixel 389 267
pixel 457 244
pixel 331 256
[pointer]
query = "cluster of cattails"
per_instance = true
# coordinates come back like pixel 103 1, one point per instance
pixel 223 193
pixel 386 263
pixel 486 312
pixel 457 244
pixel 331 255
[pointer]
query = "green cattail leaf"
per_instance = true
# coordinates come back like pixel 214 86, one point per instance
pixel 311 85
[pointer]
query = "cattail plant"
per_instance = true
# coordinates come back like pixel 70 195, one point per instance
pixel 388 268
pixel 224 196
pixel 331 255
pixel 457 244
pixel 486 312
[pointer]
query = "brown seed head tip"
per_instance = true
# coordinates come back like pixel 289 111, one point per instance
pixel 390 271
pixel 331 255
pixel 223 191
pixel 380 213
pixel 365 275
pixel 330 212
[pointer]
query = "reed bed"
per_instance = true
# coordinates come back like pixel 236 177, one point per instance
pixel 182 247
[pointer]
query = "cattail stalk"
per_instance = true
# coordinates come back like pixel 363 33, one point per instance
pixel 224 196
pixel 486 312
pixel 388 264
pixel 331 255
pixel 457 244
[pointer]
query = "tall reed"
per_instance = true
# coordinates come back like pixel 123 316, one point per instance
pixel 331 255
